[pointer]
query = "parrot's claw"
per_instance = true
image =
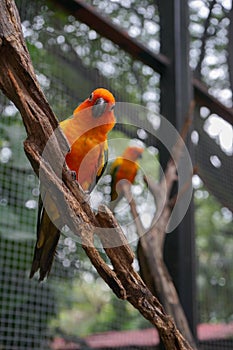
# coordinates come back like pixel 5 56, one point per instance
pixel 73 175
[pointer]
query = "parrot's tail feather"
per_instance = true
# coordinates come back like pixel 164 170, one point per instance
pixel 43 257
pixel 45 249
pixel 34 268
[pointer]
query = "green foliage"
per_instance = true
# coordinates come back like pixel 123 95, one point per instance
pixel 88 306
pixel 70 59
pixel 26 307
pixel 19 187
pixel 19 297
pixel 215 250
pixel 214 68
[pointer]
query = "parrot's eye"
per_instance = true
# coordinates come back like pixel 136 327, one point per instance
pixel 91 97
pixel 99 107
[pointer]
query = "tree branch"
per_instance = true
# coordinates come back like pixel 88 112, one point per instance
pixel 151 242
pixel 18 82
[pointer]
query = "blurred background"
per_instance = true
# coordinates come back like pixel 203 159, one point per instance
pixel 71 58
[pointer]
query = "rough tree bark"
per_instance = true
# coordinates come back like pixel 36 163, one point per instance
pixel 150 248
pixel 18 82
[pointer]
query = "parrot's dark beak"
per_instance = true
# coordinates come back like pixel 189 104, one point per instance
pixel 111 107
pixel 99 108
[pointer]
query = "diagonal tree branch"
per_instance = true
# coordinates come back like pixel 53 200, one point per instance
pixel 151 241
pixel 18 82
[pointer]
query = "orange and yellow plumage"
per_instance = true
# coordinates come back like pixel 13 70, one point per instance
pixel 124 167
pixel 87 133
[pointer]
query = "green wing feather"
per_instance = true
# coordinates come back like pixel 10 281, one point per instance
pixel 113 182
pixel 102 164
pixel 48 236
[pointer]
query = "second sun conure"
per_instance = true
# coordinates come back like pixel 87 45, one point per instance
pixel 124 167
pixel 87 134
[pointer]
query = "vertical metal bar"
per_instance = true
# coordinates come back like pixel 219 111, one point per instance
pixel 176 94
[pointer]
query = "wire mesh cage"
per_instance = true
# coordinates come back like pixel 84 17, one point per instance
pixel 70 60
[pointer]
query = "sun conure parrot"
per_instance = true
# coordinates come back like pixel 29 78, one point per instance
pixel 87 133
pixel 124 167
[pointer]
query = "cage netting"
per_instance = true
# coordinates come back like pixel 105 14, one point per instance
pixel 71 60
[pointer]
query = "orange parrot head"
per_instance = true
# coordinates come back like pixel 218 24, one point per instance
pixel 133 153
pixel 97 111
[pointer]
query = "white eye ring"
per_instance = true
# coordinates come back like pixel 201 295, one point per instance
pixel 91 97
